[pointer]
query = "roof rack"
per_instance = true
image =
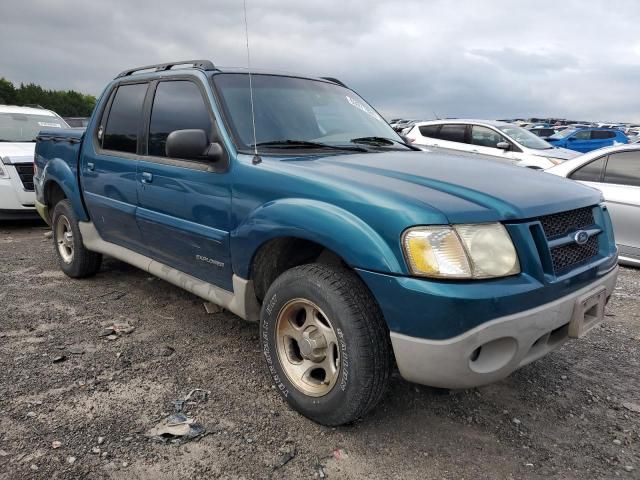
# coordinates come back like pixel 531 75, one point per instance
pixel 205 65
pixel 334 80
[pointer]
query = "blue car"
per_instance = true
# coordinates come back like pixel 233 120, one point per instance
pixel 587 139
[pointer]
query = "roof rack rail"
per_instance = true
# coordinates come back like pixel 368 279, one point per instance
pixel 205 65
pixel 334 80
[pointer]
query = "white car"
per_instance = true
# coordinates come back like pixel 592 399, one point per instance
pixel 615 171
pixel 19 127
pixel 492 138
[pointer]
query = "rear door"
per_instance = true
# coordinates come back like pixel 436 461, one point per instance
pixel 109 167
pixel 426 134
pixel 621 187
pixel 454 136
pixel 602 138
pixel 184 205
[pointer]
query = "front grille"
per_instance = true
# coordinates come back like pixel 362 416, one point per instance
pixel 565 222
pixel 25 172
pixel 568 256
pixel 565 257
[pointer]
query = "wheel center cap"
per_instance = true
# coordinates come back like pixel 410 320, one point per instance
pixel 312 345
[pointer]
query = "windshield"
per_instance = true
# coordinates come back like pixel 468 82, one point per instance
pixel 524 137
pixel 20 127
pixel 298 109
pixel 563 134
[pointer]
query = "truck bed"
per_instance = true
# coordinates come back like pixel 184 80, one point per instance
pixel 59 143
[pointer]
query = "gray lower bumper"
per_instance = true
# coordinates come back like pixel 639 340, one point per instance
pixel 22 214
pixel 494 349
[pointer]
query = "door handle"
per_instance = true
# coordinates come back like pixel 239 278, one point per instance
pixel 147 177
pixel 91 167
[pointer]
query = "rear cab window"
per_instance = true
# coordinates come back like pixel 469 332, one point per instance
pixel 122 129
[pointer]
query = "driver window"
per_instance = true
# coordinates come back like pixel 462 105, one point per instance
pixel 485 137
pixel 583 135
pixel 177 105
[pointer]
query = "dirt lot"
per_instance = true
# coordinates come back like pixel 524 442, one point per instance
pixel 574 414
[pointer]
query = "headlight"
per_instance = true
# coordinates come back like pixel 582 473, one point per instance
pixel 3 170
pixel 460 251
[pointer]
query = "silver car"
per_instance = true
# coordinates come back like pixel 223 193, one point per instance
pixel 615 171
pixel 490 138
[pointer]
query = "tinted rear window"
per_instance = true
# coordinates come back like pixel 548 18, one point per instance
pixel 429 130
pixel 602 134
pixel 623 169
pixel 590 172
pixel 125 117
pixel 453 133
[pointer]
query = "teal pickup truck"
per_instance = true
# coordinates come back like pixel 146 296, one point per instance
pixel 304 211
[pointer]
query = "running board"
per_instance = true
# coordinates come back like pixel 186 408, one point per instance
pixel 242 301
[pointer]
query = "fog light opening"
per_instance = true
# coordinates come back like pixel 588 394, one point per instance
pixel 475 354
pixel 493 355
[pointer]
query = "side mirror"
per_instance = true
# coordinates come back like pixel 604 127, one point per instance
pixel 503 145
pixel 192 145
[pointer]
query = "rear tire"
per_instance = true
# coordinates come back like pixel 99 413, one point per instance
pixel 74 259
pixel 325 343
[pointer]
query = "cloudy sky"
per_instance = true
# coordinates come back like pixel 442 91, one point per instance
pixel 465 58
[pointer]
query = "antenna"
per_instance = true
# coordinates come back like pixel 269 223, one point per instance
pixel 256 156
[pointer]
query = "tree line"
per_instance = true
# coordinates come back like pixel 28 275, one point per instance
pixel 67 103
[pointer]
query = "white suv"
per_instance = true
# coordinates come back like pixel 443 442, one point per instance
pixel 19 127
pixel 497 139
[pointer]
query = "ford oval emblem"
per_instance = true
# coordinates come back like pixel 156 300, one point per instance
pixel 581 237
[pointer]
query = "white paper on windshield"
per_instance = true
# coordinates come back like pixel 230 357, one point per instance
pixel 363 107
pixel 49 124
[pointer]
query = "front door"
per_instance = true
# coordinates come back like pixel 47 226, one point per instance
pixel 109 167
pixel 184 205
pixel 485 141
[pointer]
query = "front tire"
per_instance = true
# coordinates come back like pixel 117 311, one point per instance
pixel 325 343
pixel 74 259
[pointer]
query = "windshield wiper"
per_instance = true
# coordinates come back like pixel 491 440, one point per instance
pixel 379 141
pixel 288 143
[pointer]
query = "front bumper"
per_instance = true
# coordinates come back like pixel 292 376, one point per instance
pixel 15 201
pixel 492 350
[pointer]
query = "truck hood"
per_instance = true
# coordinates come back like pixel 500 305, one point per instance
pixel 420 185
pixel 17 152
pixel 557 152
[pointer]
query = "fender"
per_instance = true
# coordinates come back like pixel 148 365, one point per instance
pixel 58 171
pixel 328 225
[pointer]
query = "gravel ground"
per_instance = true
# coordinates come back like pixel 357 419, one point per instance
pixel 76 404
